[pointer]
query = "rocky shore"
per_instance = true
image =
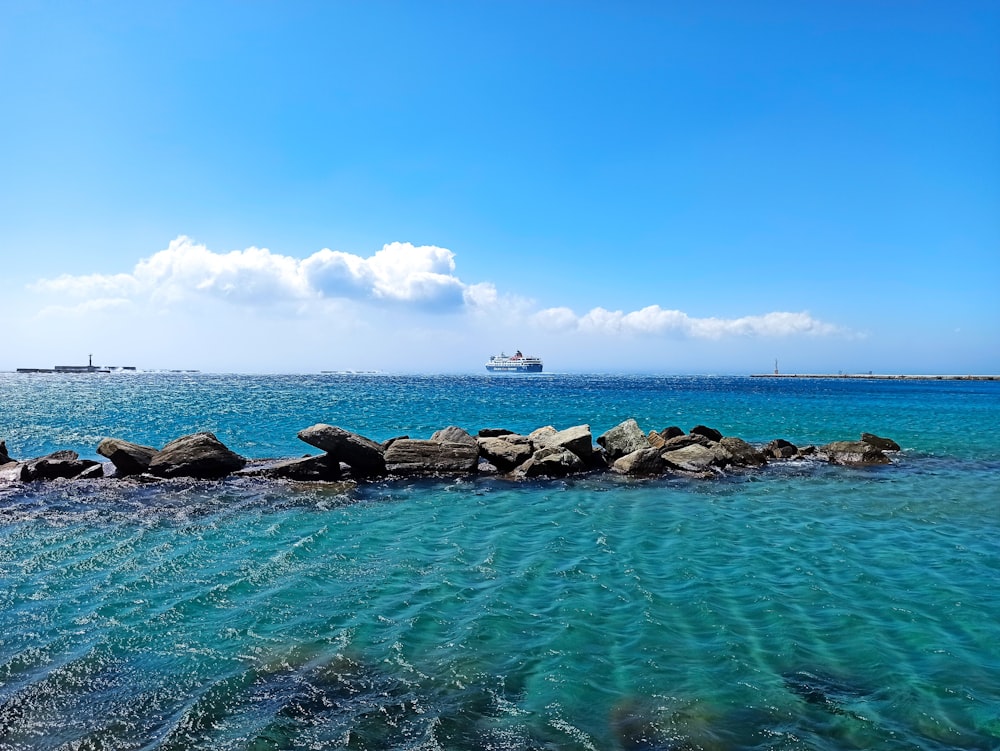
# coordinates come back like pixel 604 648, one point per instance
pixel 625 449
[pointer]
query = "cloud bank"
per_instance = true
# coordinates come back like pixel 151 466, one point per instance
pixel 399 276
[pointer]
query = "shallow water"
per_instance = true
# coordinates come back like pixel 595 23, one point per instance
pixel 800 607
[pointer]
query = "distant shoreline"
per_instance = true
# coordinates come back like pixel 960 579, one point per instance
pixel 880 376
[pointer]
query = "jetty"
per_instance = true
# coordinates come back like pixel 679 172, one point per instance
pixel 88 368
pixel 880 376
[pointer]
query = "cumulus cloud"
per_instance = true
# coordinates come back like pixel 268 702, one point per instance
pixel 654 320
pixel 399 275
pixel 399 272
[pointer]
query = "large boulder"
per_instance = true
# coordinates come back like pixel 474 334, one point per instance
pixel 552 461
pixel 696 457
pixel 128 458
pixel 363 455
pixel 59 464
pixel 883 444
pixel 505 452
pixel 199 455
pixel 453 434
pixel 540 436
pixel 416 456
pixel 853 453
pixel 743 453
pixel 623 439
pixel 645 461
pixel 685 439
pixel 577 439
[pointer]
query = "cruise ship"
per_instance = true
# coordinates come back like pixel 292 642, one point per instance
pixel 516 363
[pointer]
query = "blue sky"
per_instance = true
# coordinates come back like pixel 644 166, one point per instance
pixel 675 187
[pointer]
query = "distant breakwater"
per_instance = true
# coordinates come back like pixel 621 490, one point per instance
pixel 881 376
pixel 626 449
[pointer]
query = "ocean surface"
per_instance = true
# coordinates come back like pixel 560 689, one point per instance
pixel 801 606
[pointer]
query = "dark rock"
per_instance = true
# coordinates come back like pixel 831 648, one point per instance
pixel 853 453
pixel 710 433
pixel 363 455
pixel 743 453
pixel 389 441
pixel 883 444
pixel 128 458
pixel 322 468
pixel 415 456
pixel 779 448
pixel 505 452
pixel 672 432
pixel 552 461
pixel 645 461
pixel 453 434
pixel 494 432
pixel 93 472
pixel 199 455
pixel 623 439
pixel 4 456
pixel 59 464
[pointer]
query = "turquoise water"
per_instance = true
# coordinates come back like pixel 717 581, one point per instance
pixel 800 607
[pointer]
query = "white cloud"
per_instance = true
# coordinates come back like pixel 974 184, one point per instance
pixel 656 321
pixel 398 276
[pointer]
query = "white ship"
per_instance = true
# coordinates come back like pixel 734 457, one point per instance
pixel 516 363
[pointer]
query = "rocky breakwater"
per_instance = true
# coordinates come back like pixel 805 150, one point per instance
pixel 546 452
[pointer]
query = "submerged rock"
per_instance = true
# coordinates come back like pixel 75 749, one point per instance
pixel 854 453
pixel 199 455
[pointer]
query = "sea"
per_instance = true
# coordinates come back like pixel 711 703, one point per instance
pixel 797 606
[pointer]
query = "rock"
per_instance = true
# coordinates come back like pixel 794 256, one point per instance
pixel 645 461
pixel 538 437
pixel 322 468
pixel 623 439
pixel 853 453
pixel 655 439
pixel 453 434
pixel 93 472
pixel 577 439
pixel 505 453
pixel 696 457
pixel 744 454
pixel 883 444
pixel 710 433
pixel 364 456
pixel 128 458
pixel 690 439
pixel 59 464
pixel 4 456
pixel 552 461
pixel 13 472
pixel 493 432
pixel 199 455
pixel 779 448
pixel 672 432
pixel 415 456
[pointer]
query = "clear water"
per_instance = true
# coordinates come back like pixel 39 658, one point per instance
pixel 800 607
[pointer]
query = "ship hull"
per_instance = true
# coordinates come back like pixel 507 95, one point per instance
pixel 530 368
